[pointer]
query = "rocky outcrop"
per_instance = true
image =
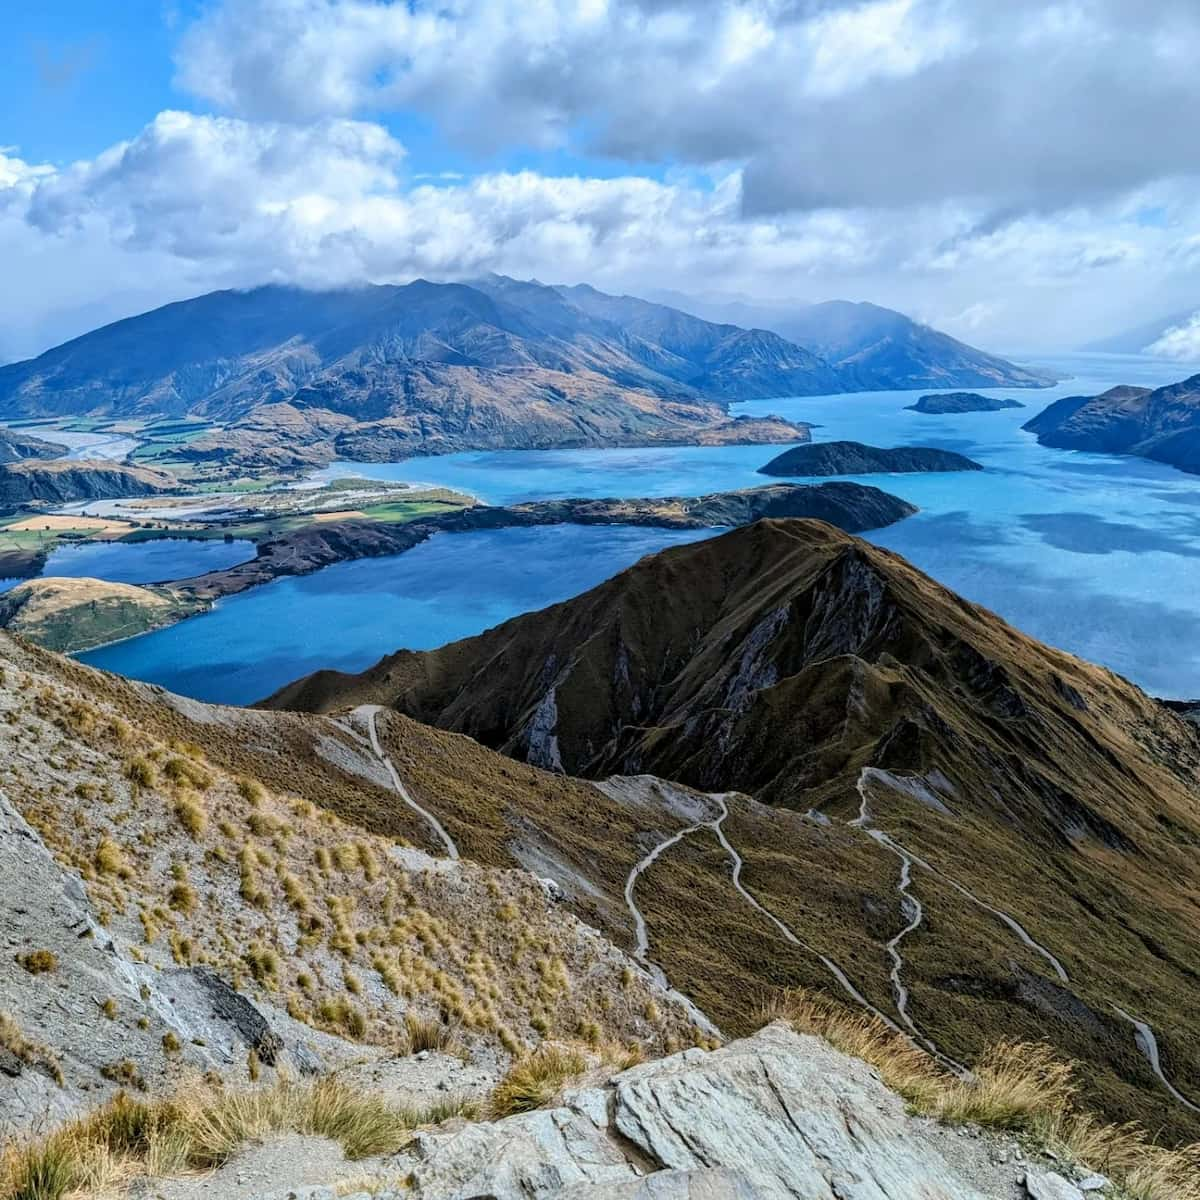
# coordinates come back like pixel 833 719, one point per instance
pixel 68 480
pixel 962 402
pixel 16 446
pixel 775 1116
pixel 1161 424
pixel 855 458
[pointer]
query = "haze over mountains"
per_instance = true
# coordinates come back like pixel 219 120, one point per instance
pixel 385 372
pixel 875 348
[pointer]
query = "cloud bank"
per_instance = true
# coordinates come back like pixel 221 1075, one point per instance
pixel 1021 174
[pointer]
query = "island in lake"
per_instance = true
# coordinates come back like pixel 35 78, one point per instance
pixel 855 458
pixel 961 402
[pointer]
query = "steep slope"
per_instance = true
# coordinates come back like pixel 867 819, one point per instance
pixel 1042 810
pixel 743 364
pixel 180 895
pixel 66 480
pixel 1162 424
pixel 874 348
pixel 855 458
pixel 880 348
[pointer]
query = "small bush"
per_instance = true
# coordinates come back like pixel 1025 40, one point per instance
pixel 110 860
pixel 533 1081
pixel 187 772
pixel 191 814
pixel 141 772
pixel 38 962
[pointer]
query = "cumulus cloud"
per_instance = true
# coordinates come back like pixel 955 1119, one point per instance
pixel 826 103
pixel 1181 342
pixel 195 202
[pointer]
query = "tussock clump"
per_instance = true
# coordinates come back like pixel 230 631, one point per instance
pixel 38 962
pixel 109 859
pixel 141 772
pixel 187 772
pixel 30 1052
pixel 200 1129
pixel 535 1079
pixel 191 814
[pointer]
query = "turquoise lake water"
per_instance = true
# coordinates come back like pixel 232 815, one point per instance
pixel 1097 554
pixel 349 615
pixel 156 561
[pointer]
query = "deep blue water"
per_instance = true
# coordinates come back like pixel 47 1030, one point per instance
pixel 1097 554
pixel 155 561
pixel 347 616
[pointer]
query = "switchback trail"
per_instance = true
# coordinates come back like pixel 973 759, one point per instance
pixel 862 821
pixel 369 712
pixel 1147 1044
pixel 716 826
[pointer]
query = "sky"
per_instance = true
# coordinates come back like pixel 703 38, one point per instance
pixel 1021 174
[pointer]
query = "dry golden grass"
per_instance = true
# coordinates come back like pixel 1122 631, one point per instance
pixel 535 1079
pixel 200 1129
pixel 1021 1087
pixel 30 1052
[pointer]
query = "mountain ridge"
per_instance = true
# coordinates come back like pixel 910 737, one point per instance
pixel 1161 424
pixel 869 712
pixel 387 371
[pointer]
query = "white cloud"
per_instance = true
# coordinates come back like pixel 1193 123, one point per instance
pixel 193 203
pixel 1182 342
pixel 843 103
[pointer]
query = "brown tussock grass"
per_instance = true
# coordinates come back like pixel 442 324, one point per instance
pixel 200 1129
pixel 1020 1087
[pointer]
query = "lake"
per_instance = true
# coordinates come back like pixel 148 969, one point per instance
pixel 1096 554
pixel 350 614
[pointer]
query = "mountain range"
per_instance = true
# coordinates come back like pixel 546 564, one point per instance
pixel 383 372
pixel 875 348
pixel 1162 424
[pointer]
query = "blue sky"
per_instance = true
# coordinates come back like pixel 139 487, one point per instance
pixel 1017 174
pixel 81 74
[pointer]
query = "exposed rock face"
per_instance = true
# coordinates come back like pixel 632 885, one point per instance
pixel 776 1116
pixel 62 482
pixel 1161 424
pixel 962 402
pixel 15 446
pixel 854 458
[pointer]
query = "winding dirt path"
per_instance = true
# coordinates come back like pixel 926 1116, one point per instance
pixel 369 712
pixel 1147 1044
pixel 716 827
pixel 863 821
pixel 1143 1035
